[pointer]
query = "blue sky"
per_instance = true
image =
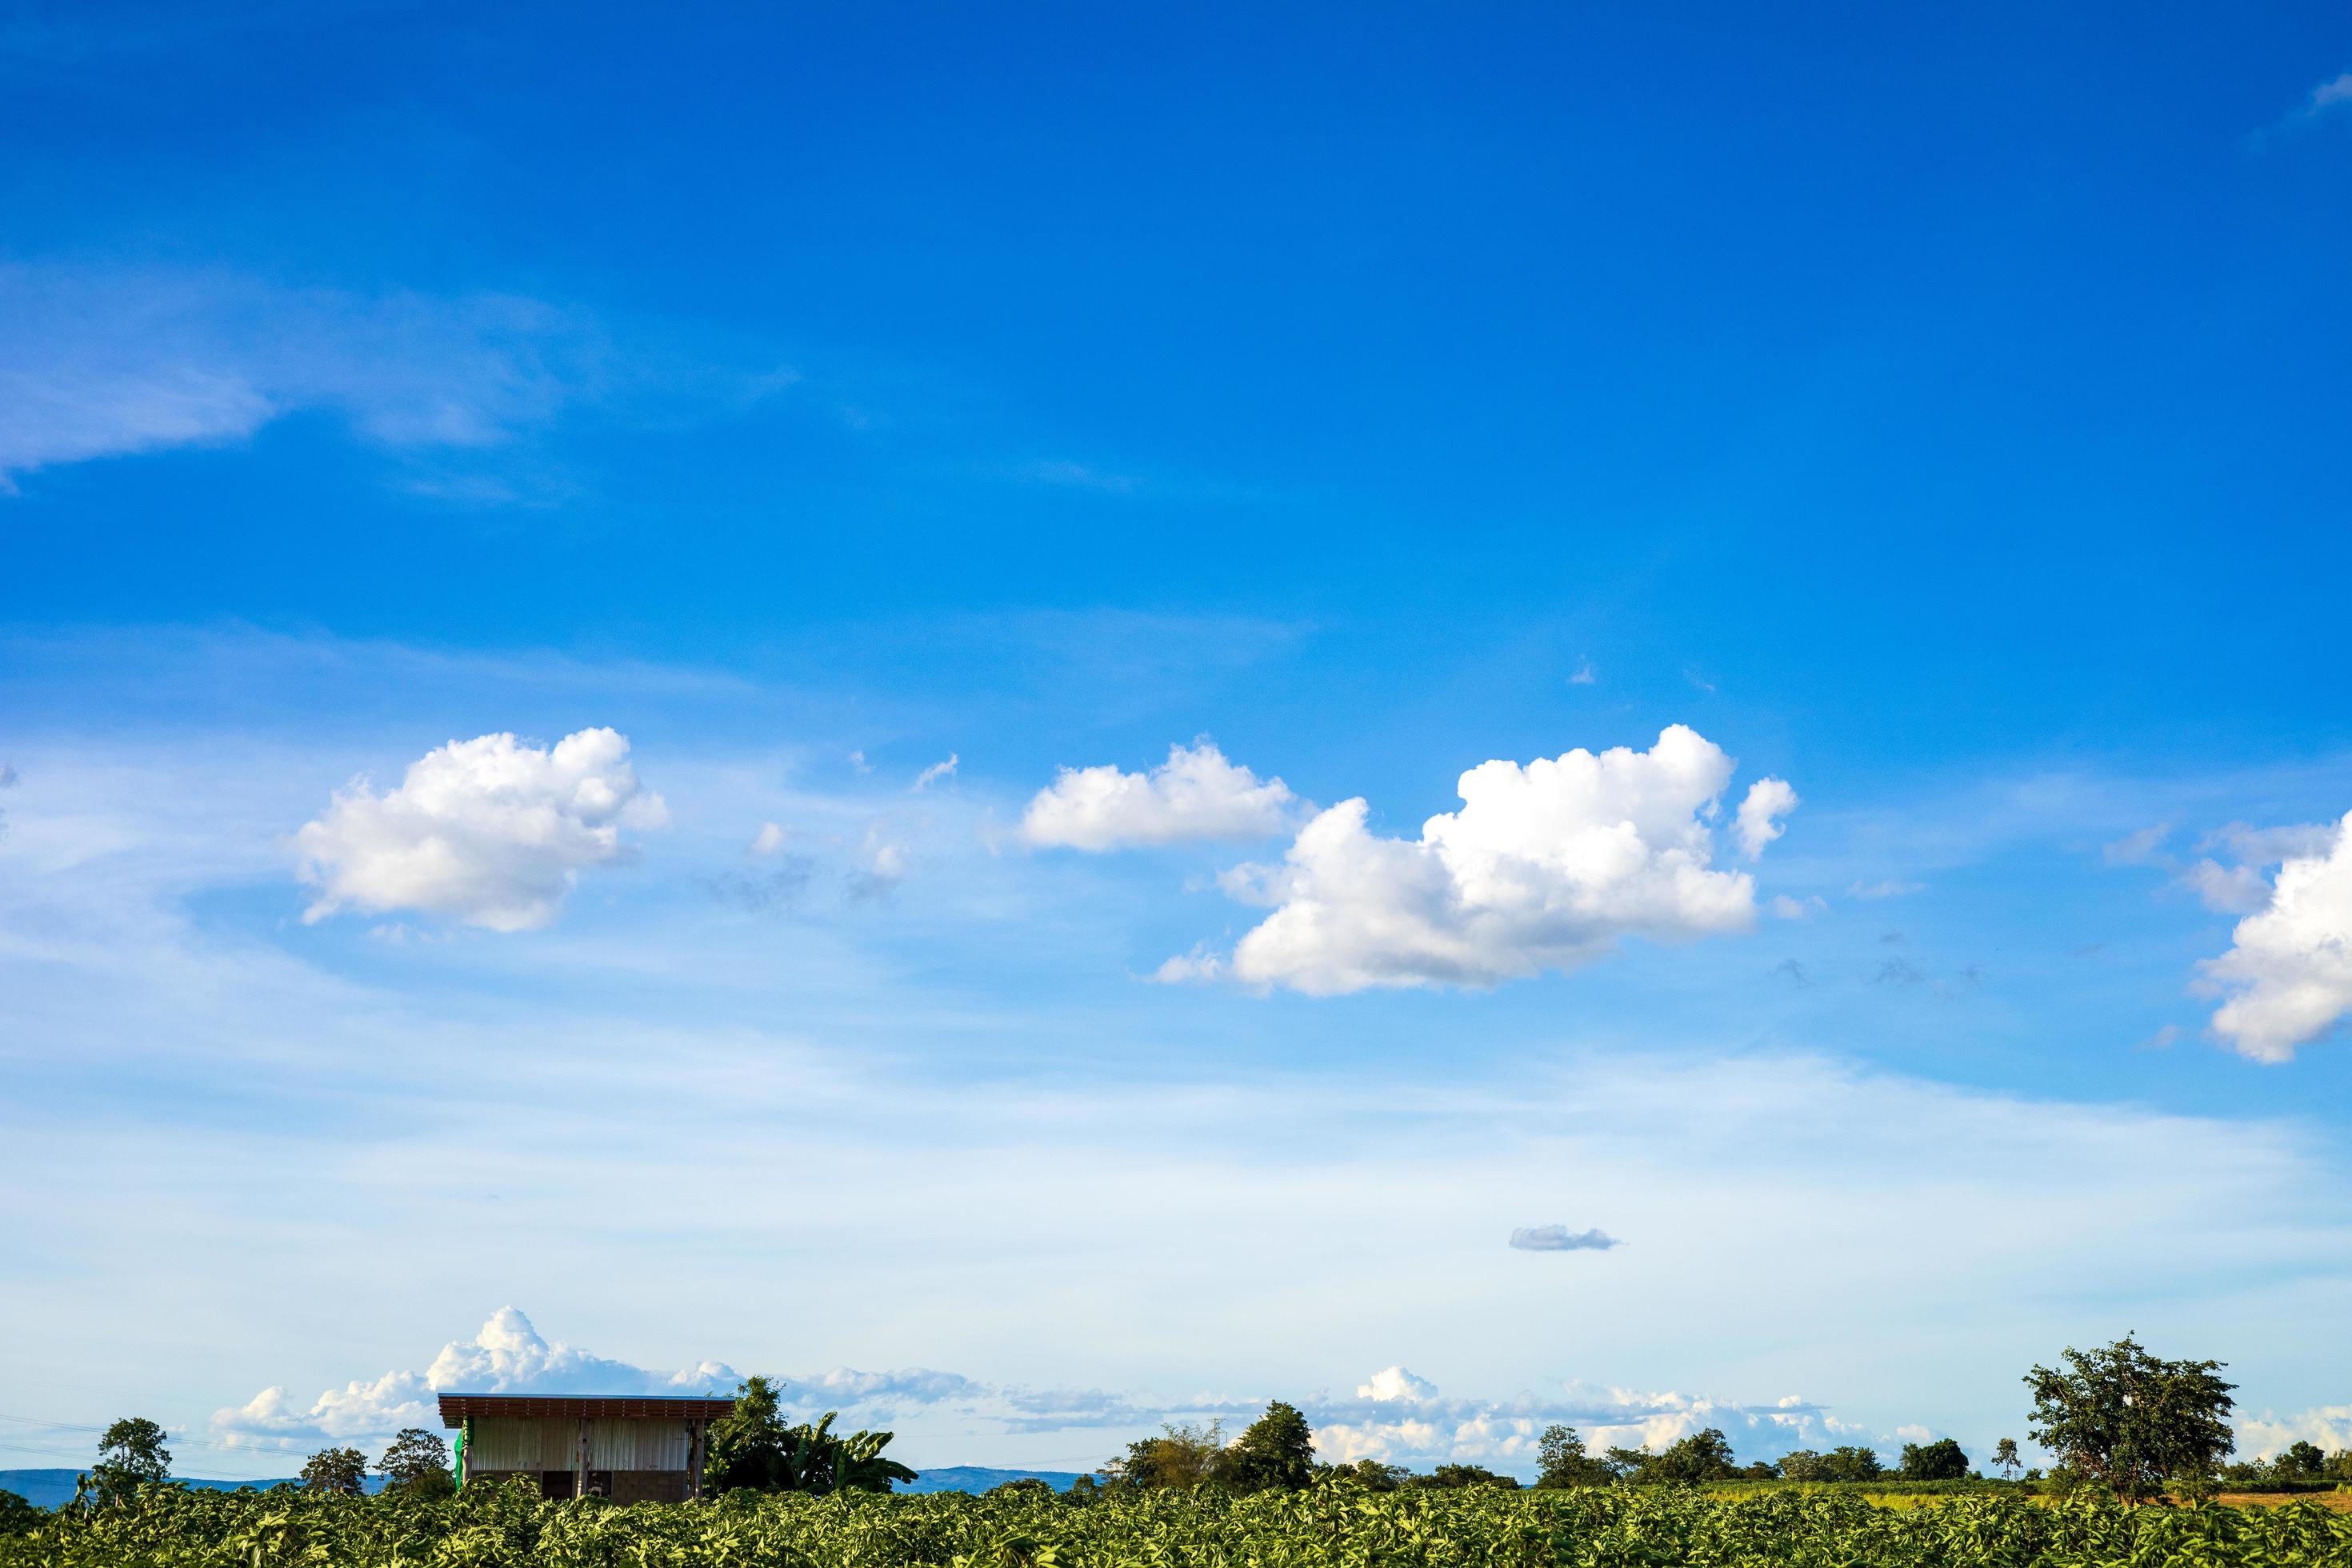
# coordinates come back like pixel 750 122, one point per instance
pixel 850 428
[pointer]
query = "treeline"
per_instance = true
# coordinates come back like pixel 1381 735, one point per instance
pixel 1277 1451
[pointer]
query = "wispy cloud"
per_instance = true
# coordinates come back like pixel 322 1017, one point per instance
pixel 108 361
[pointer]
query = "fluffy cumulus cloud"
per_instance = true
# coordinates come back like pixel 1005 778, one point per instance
pixel 1545 867
pixel 492 832
pixel 1559 1239
pixel 1196 794
pixel 506 1356
pixel 2287 978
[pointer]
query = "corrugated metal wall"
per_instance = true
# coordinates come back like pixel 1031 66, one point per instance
pixel 518 1443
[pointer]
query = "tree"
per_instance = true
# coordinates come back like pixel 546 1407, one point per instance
pixel 417 1465
pixel 18 1517
pixel 2004 1456
pixel 1701 1457
pixel 1565 1463
pixel 1451 1477
pixel 130 1453
pixel 1846 1464
pixel 752 1448
pixel 1277 1451
pixel 335 1470
pixel 2300 1461
pixel 1626 1464
pixel 2131 1421
pixel 1940 1460
pixel 1803 1465
pixel 1180 1457
pixel 1371 1475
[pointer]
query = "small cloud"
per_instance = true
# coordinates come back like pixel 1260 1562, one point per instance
pixel 1585 674
pixel 2162 1040
pixel 884 869
pixel 1794 970
pixel 1890 888
pixel 768 840
pixel 1787 909
pixel 1559 1239
pixel 493 832
pixel 1201 966
pixel 2328 95
pixel 1196 794
pixel 858 759
pixel 2137 848
pixel 937 772
pixel 7 776
pixel 1757 823
pixel 1694 677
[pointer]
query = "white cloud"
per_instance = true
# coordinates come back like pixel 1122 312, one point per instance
pixel 1756 824
pixel 937 772
pixel 1198 967
pixel 1585 674
pixel 1545 867
pixel 1559 1239
pixel 489 831
pixel 769 840
pixel 2329 94
pixel 506 1356
pixel 1196 794
pixel 2288 976
pixel 1889 888
pixel 1394 1383
pixel 1787 909
pixel 2325 1426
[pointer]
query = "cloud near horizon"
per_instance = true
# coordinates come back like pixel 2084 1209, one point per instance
pixel 1196 794
pixel 489 832
pixel 1545 866
pixel 506 1355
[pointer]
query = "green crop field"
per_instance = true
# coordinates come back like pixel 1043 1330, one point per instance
pixel 1649 1527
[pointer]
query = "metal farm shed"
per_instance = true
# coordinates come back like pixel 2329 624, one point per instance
pixel 629 1449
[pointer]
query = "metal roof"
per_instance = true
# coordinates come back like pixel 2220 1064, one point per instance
pixel 455 1407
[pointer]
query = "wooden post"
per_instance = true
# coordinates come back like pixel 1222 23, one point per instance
pixel 579 1486
pixel 694 1430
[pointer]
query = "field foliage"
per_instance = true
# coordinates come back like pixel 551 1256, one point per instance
pixel 1330 1525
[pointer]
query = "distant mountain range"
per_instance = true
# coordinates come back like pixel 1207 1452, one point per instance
pixel 48 1488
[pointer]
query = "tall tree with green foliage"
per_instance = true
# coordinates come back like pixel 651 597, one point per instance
pixel 753 1449
pixel 1275 1452
pixel 416 1465
pixel 2131 1421
pixel 2004 1456
pixel 1178 1459
pixel 1560 1453
pixel 1701 1457
pixel 1941 1460
pixel 130 1453
pixel 335 1470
